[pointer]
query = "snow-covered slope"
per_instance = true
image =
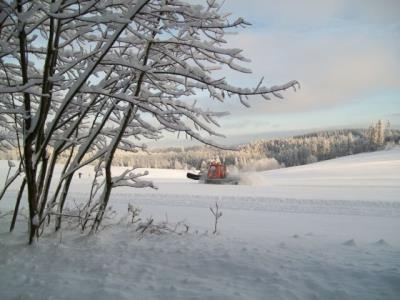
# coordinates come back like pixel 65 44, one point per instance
pixel 378 169
pixel 363 177
pixel 323 231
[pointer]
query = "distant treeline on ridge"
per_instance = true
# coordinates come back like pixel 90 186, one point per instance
pixel 264 154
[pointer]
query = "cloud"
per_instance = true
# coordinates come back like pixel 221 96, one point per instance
pixel 335 71
pixel 315 12
pixel 333 68
pixel 341 52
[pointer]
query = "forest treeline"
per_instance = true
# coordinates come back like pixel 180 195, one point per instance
pixel 273 153
pixel 263 155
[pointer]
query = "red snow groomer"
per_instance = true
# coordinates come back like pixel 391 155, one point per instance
pixel 216 173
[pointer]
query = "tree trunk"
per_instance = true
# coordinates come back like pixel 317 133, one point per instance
pixel 16 209
pixel 63 198
pixel 114 145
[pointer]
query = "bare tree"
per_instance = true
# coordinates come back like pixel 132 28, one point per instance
pixel 83 79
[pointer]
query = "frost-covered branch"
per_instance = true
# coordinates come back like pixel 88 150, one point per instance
pixel 83 79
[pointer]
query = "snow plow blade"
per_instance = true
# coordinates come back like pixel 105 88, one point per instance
pixel 193 176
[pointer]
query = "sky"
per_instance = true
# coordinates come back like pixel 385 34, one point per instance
pixel 345 54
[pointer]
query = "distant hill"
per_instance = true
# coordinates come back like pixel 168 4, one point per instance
pixel 264 154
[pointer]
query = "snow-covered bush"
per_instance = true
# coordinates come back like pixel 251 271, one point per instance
pixel 134 213
pixel 151 227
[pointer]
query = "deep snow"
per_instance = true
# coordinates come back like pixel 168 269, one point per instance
pixel 323 231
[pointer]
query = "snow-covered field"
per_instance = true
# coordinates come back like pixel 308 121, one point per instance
pixel 329 230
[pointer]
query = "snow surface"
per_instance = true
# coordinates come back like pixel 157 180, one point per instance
pixel 328 230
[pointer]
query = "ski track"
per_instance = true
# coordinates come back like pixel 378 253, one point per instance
pixel 267 204
pixel 312 206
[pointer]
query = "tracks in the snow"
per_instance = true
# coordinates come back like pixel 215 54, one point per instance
pixel 336 207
